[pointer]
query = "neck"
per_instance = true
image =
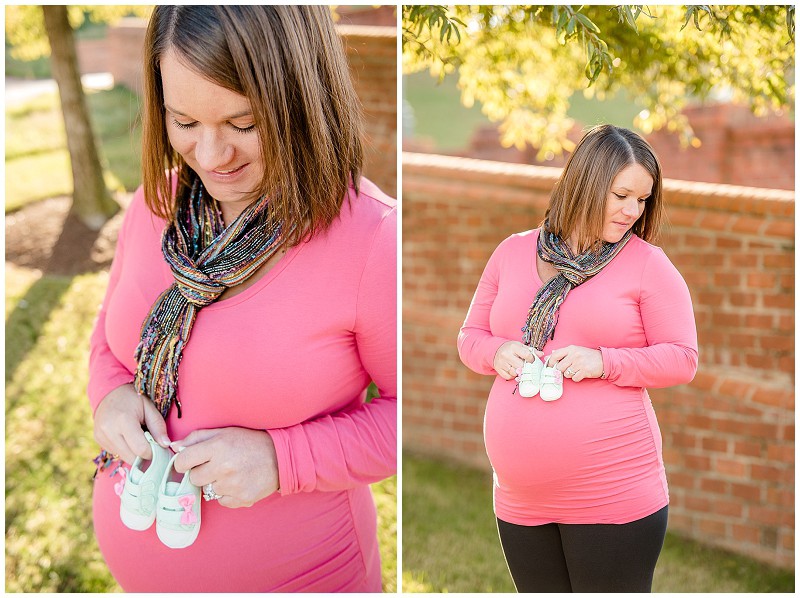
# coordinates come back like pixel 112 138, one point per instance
pixel 231 211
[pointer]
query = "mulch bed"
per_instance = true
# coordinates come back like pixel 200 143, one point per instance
pixel 43 235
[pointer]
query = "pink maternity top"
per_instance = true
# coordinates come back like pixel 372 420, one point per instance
pixel 292 354
pixel 594 455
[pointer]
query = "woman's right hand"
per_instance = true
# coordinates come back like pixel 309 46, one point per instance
pixel 510 357
pixel 118 423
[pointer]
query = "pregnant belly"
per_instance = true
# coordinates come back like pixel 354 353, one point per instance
pixel 594 433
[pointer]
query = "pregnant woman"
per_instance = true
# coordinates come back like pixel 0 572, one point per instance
pixel 250 303
pixel 576 319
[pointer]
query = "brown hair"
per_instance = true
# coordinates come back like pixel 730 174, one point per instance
pixel 288 61
pixel 578 201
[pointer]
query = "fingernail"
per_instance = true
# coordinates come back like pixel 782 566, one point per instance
pixel 165 441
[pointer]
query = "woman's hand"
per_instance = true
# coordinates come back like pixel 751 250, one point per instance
pixel 118 423
pixel 510 357
pixel 577 363
pixel 240 463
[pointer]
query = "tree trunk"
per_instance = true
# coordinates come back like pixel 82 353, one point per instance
pixel 91 201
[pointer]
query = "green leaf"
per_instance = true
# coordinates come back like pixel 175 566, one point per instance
pixel 587 22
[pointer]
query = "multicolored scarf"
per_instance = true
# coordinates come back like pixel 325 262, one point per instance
pixel 573 270
pixel 206 258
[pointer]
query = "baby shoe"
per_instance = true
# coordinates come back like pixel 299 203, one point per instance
pixel 551 383
pixel 529 379
pixel 139 494
pixel 178 513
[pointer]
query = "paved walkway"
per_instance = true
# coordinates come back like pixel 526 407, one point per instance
pixel 20 90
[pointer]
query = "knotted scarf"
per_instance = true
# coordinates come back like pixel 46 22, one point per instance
pixel 205 258
pixel 573 270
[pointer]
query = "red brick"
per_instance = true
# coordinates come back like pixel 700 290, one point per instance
pixel 745 448
pixel 715 220
pixel 683 440
pixel 763 515
pixel 780 452
pixel 698 462
pixel 697 241
pixel 729 467
pixel 713 527
pixel 780 229
pixel 746 224
pixel 779 260
pixel 769 473
pixel 743 260
pixel 696 503
pixel 774 397
pixel 745 533
pixel 714 486
pixel 728 508
pixel 717 445
pixel 781 301
pixel 743 299
pixel 749 492
pixel 780 498
pixel 729 242
pixel 704 381
pixel 727 280
pixel 762 280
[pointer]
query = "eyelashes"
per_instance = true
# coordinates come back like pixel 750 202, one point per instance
pixel 640 200
pixel 242 130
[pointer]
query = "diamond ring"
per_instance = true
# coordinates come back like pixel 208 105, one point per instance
pixel 209 494
pixel 569 372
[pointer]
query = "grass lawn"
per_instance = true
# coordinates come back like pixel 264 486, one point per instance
pixel 439 115
pixel 450 542
pixel 50 546
pixel 36 144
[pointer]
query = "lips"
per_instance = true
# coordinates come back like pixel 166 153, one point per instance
pixel 227 175
pixel 228 172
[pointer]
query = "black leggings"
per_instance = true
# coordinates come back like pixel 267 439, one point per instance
pixel 559 557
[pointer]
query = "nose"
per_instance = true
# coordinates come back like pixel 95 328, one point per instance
pixel 212 151
pixel 631 208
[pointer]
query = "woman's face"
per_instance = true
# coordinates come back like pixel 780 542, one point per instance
pixel 213 128
pixel 625 201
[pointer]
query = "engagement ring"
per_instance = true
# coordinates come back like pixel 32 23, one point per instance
pixel 209 494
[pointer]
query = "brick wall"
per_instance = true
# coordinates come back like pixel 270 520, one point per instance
pixel 372 53
pixel 728 436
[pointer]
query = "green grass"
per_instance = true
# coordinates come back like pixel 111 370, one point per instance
pixel 36 144
pixel 50 546
pixel 439 115
pixel 450 542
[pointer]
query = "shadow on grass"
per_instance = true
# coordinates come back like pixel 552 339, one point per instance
pixel 25 323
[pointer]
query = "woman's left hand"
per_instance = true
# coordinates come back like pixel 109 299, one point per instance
pixel 577 363
pixel 239 462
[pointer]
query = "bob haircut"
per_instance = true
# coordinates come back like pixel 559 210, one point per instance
pixel 578 201
pixel 288 61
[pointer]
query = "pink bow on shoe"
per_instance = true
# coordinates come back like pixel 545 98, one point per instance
pixel 188 517
pixel 120 485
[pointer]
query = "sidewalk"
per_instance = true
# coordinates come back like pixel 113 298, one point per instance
pixel 20 90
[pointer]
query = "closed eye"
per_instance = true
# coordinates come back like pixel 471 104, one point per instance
pixel 243 129
pixel 181 125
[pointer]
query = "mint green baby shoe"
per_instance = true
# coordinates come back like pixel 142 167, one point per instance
pixel 139 496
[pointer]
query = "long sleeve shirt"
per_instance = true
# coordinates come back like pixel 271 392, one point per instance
pixel 594 455
pixel 292 354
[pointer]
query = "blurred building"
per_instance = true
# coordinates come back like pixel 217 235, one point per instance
pixel 738 148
